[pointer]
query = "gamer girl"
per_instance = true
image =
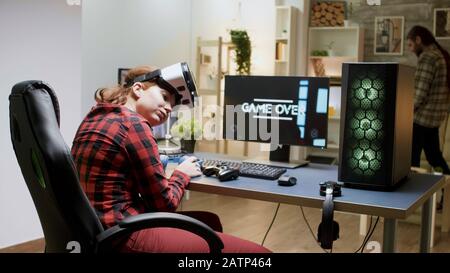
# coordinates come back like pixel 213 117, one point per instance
pixel 120 168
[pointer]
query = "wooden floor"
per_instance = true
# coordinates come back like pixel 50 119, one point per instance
pixel 250 219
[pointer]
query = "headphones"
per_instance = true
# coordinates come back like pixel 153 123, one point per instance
pixel 328 229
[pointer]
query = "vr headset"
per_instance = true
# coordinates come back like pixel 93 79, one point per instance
pixel 177 79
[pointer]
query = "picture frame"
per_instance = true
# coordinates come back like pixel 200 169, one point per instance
pixel 121 74
pixel 389 31
pixel 441 23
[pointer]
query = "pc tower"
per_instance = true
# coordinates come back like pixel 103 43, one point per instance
pixel 376 124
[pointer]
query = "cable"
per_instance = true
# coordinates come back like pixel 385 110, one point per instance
pixel 310 229
pixel 373 229
pixel 365 237
pixel 273 220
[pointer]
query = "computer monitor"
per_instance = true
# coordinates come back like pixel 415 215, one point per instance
pixel 285 110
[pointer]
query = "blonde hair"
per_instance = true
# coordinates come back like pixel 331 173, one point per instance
pixel 119 93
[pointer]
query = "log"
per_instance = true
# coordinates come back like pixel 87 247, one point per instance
pixel 327 13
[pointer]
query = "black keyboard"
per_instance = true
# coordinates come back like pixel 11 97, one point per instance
pixel 248 169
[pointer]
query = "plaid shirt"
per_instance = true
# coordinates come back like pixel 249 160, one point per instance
pixel 119 166
pixel 432 99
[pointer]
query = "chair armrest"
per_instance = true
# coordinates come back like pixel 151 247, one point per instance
pixel 158 219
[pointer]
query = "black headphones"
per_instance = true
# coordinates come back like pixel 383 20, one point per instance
pixel 328 229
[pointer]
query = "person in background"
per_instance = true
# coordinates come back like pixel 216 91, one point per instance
pixel 432 96
pixel 122 174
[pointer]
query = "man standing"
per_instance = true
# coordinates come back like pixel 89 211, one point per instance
pixel 432 97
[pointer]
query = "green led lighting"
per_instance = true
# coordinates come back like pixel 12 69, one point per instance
pixel 353 163
pixel 378 84
pixel 356 84
pixel 363 164
pixel 365 132
pixel 365 124
pixel 359 133
pixel 372 94
pixel 360 115
pixel 354 123
pixel 375 164
pixel 370 154
pixel 360 93
pixel 371 115
pixel 366 104
pixel 380 155
pixel 366 83
pixel 377 104
pixel 358 153
pixel 371 134
pixel 377 125
pixel 364 144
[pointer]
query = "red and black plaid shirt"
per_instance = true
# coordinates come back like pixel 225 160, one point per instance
pixel 119 166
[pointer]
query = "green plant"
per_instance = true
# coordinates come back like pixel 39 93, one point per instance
pixel 243 51
pixel 330 45
pixel 186 129
pixel 319 53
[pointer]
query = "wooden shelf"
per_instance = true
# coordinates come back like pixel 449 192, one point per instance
pixel 333 57
pixel 347 46
pixel 335 28
pixel 285 31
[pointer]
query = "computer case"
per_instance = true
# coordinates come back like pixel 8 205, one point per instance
pixel 376 124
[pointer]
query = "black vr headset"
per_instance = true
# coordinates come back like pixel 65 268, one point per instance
pixel 176 78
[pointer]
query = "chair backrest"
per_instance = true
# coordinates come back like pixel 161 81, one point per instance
pixel 49 171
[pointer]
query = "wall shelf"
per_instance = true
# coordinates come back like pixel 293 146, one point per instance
pixel 285 30
pixel 347 46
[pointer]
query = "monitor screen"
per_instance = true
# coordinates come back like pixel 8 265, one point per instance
pixel 276 109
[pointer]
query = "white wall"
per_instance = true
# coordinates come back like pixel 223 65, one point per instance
pixel 214 18
pixel 42 41
pixel 119 33
pixel 39 40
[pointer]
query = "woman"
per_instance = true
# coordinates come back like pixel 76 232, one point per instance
pixel 121 172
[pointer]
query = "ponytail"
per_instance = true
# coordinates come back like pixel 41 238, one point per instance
pixel 447 61
pixel 119 93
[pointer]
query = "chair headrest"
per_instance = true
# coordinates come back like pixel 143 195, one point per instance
pixel 24 87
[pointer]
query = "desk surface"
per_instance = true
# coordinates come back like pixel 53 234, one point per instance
pixel 396 204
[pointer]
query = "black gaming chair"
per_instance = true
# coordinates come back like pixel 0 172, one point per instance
pixel 67 218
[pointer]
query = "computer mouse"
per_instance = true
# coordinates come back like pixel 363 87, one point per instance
pixel 287 180
pixel 228 174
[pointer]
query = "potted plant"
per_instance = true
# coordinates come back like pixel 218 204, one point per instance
pixel 187 131
pixel 243 51
pixel 319 53
pixel 330 48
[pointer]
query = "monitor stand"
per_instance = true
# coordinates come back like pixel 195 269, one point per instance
pixel 280 158
pixel 167 146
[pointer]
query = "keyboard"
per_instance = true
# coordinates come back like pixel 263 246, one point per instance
pixel 246 169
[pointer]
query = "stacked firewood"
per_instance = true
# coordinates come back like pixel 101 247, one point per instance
pixel 331 14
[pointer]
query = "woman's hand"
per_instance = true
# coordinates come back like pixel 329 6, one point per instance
pixel 189 167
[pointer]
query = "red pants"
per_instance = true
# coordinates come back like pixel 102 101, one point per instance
pixel 172 240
